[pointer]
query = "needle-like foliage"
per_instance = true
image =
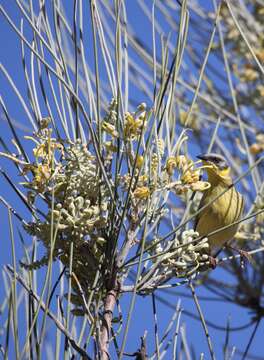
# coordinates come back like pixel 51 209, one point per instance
pixel 103 143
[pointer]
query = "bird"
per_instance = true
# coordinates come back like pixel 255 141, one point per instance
pixel 225 209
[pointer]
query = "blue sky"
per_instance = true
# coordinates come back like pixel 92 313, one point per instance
pixel 216 312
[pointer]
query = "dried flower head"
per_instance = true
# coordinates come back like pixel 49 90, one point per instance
pixel 185 257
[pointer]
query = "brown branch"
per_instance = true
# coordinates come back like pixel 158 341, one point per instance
pixel 109 305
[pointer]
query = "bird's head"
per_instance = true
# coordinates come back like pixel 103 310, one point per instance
pixel 216 166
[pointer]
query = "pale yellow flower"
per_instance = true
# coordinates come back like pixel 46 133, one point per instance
pixel 142 192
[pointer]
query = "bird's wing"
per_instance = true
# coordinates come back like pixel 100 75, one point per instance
pixel 235 214
pixel 240 205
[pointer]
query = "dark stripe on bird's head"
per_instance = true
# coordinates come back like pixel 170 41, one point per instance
pixel 218 160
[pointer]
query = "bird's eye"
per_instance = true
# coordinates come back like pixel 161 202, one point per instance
pixel 216 160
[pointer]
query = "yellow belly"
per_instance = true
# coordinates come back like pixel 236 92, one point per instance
pixel 222 212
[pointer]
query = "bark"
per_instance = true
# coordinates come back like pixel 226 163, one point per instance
pixel 109 306
pixel 114 287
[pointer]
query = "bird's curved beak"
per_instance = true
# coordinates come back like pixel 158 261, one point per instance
pixel 207 163
pixel 204 157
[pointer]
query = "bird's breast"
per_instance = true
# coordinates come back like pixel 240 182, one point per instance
pixel 221 212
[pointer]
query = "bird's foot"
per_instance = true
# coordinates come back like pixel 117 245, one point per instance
pixel 212 262
pixel 244 255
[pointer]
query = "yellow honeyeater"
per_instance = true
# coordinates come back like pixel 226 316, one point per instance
pixel 223 211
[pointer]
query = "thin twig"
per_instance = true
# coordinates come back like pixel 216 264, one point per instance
pixel 195 298
pixel 244 356
pixel 49 313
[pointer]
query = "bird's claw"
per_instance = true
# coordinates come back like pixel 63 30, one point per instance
pixel 243 255
pixel 212 262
